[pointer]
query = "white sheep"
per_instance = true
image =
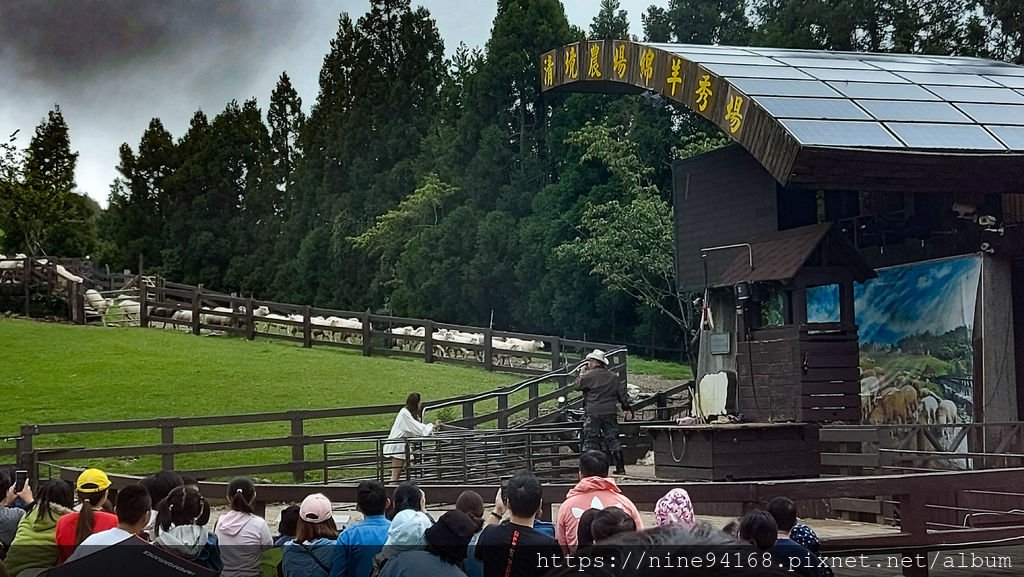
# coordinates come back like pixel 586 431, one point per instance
pixel 67 275
pixel 95 301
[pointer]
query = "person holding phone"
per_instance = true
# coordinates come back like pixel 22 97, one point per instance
pixel 13 489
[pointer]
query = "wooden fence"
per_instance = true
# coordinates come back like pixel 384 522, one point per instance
pixel 35 444
pixel 916 497
pixel 201 310
pixel 368 333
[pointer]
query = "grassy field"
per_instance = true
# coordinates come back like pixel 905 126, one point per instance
pixel 660 368
pixel 55 373
pixel 61 373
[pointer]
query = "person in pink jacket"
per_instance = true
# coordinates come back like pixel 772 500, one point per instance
pixel 594 491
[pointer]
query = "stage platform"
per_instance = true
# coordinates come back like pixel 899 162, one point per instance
pixel 735 452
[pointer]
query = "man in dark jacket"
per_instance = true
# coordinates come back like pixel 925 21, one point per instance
pixel 603 391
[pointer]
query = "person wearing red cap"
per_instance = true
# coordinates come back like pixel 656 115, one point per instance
pixel 311 553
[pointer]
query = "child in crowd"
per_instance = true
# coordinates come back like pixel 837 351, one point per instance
pixel 75 527
pixel 132 509
pixel 287 525
pixel 311 553
pixel 241 534
pixel 178 529
pixel 33 544
pixel 358 544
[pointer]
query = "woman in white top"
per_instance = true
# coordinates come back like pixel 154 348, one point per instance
pixel 407 424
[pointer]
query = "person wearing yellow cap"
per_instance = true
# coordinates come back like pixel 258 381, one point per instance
pixel 72 529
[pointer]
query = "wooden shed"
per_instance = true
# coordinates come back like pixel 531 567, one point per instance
pixel 790 368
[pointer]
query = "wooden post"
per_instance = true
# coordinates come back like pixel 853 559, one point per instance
pixel 307 328
pixel 27 269
pixel 503 411
pixel 489 350
pixel 367 334
pixel 196 302
pixel 26 457
pixel 913 520
pixel 250 324
pixel 556 353
pixel 143 298
pixel 428 341
pixel 468 412
pixel 298 451
pixel 167 440
pixel 534 410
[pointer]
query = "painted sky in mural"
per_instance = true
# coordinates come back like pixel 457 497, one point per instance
pixel 935 297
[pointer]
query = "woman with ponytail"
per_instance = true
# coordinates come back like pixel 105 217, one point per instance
pixel 72 529
pixel 179 528
pixel 243 535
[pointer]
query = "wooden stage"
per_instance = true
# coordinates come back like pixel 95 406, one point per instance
pixel 735 452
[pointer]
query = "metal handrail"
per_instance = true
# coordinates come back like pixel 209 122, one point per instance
pixel 560 372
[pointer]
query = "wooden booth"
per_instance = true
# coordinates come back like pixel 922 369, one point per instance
pixel 843 165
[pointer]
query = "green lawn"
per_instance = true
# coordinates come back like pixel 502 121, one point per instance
pixel 662 369
pixel 60 373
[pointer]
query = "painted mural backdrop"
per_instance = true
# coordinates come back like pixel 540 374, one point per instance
pixel 916 357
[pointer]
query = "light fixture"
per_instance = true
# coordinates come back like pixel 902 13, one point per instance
pixel 743 291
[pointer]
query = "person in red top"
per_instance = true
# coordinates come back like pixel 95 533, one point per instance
pixel 73 528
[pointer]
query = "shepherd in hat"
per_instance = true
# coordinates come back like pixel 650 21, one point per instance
pixel 603 391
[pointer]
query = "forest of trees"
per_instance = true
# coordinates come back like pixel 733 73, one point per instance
pixel 449 188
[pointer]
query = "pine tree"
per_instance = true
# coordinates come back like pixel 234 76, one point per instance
pixel 610 23
pixel 39 189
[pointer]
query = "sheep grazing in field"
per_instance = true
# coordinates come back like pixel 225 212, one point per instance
pixel 183 315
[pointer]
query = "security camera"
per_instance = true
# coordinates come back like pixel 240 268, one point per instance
pixel 986 220
pixel 964 210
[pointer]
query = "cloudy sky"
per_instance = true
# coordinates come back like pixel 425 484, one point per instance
pixel 113 64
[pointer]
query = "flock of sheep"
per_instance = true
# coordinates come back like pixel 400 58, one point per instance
pixel 446 342
pixel 457 344
pixel 902 399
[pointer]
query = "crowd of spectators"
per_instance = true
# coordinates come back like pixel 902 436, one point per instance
pixel 59 525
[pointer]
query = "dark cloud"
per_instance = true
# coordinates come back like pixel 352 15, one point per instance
pixel 60 42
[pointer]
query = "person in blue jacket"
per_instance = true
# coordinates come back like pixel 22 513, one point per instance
pixel 358 544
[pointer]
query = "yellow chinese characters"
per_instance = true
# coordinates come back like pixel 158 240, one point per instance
pixel 595 61
pixel 647 65
pixel 676 80
pixel 572 68
pixel 619 60
pixel 703 92
pixel 549 70
pixel 733 114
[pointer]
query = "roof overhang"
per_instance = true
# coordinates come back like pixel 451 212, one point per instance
pixel 684 75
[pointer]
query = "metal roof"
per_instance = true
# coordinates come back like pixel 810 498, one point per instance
pixel 779 256
pixel 778 102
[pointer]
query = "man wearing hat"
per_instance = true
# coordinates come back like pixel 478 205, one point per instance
pixel 602 392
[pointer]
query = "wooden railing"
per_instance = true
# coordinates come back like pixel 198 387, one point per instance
pixel 880 449
pixel 918 497
pixel 370 334
pixel 35 444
